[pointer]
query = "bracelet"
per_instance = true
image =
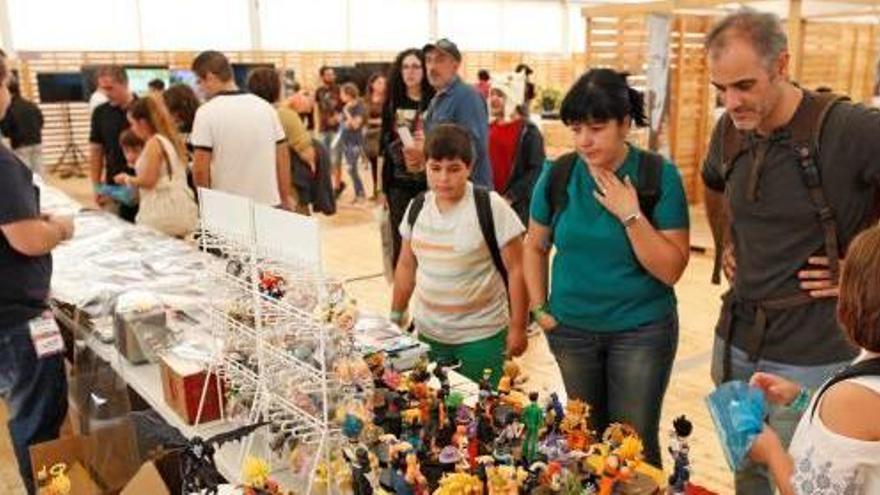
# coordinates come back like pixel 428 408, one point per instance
pixel 395 316
pixel 800 403
pixel 540 311
pixel 632 218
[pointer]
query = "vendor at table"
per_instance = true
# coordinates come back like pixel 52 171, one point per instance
pixel 32 380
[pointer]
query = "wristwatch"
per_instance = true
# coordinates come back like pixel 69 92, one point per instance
pixel 632 218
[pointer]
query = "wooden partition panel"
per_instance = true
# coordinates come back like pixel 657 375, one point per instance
pixel 556 71
pixel 842 57
pixel 621 43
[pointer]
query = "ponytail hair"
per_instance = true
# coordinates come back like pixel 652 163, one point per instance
pixel 601 95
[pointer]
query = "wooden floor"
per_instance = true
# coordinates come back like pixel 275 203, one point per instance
pixel 352 250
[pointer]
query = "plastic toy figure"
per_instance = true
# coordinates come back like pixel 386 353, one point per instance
pixel 505 441
pixel 554 413
pixel 612 473
pixel 460 484
pixel 255 478
pixel 532 419
pixel 198 470
pixel 359 462
pixel 414 476
pixel 574 425
pixel 272 284
pixel 59 484
pixel 352 427
pixel 512 378
pixel 485 384
pixel 679 448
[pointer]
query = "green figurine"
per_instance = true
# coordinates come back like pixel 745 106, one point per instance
pixel 532 419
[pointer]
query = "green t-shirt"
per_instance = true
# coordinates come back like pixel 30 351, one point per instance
pixel 597 282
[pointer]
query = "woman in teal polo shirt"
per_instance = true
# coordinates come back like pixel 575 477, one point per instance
pixel 611 316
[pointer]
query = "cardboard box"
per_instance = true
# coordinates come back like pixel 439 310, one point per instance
pixel 182 384
pixel 99 463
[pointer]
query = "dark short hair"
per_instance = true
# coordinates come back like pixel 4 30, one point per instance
pixel 214 62
pixel 157 84
pixel 128 139
pixel 323 69
pixel 858 307
pixel 601 95
pixel 351 90
pixel 483 75
pixel 449 142
pixel 182 103
pixel 115 72
pixel 265 83
pixel 762 29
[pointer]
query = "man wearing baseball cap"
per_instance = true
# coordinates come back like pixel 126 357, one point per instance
pixel 455 103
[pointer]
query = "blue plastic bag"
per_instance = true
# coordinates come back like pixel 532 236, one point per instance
pixel 738 411
pixel 120 194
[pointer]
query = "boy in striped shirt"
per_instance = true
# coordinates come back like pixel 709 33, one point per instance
pixel 460 305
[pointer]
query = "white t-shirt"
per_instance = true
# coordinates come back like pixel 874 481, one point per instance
pixel 459 295
pixel 241 131
pixel 826 463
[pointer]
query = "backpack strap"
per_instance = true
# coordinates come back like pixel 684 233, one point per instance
pixel 732 146
pixel 483 201
pixel 805 134
pixel 868 367
pixel 648 187
pixel 415 207
pixel 484 215
pixel 557 192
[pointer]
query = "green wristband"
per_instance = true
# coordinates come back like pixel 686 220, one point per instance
pixel 395 316
pixel 540 311
pixel 800 403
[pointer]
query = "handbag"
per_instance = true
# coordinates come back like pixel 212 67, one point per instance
pixel 170 206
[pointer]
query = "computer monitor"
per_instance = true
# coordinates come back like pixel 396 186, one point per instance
pixel 60 87
pixel 139 77
pixel 241 72
pixel 183 76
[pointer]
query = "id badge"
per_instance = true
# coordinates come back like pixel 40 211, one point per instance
pixel 46 335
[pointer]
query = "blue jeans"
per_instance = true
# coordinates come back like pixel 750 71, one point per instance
pixel 327 138
pixel 754 479
pixel 622 375
pixel 353 154
pixel 35 392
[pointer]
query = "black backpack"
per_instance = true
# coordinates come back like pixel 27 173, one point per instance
pixel 868 367
pixel 648 185
pixel 484 216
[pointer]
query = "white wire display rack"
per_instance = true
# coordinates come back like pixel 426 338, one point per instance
pixel 268 292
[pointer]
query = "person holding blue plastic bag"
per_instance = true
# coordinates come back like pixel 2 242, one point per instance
pixel 836 447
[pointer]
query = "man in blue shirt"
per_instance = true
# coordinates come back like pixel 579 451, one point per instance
pixel 455 103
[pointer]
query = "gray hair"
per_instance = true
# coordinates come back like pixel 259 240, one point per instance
pixel 762 29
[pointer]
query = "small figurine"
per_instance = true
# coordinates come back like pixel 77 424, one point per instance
pixel 505 441
pixel 679 448
pixel 574 425
pixel 460 484
pixel 612 473
pixel 359 462
pixel 198 470
pixel 485 381
pixel 554 413
pixel 59 484
pixel 352 427
pixel 272 284
pixel 532 418
pixel 414 476
pixel 255 478
pixel 512 378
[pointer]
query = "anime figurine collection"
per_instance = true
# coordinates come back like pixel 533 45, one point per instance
pixel 426 439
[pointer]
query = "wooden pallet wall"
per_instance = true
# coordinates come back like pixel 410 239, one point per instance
pixel 842 57
pixel 549 71
pixel 621 43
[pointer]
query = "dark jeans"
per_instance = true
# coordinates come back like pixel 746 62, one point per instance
pixel 622 375
pixel 398 199
pixel 35 392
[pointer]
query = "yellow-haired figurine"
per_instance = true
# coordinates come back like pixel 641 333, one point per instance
pixel 59 484
pixel 460 484
pixel 255 478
